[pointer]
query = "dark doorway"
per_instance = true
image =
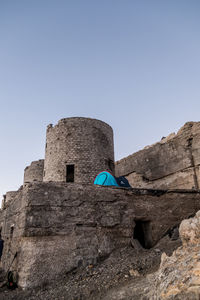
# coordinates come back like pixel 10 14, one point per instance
pixel 70 173
pixel 142 232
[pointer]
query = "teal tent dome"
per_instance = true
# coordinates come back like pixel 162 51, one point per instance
pixel 105 178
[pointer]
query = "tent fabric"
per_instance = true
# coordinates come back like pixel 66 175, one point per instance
pixel 122 181
pixel 105 178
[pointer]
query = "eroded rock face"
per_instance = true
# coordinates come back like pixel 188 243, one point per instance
pixel 171 163
pixel 179 274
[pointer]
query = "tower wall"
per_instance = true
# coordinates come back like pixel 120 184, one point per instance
pixel 34 172
pixel 85 143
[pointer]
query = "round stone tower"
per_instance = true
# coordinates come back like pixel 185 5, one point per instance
pixel 77 149
pixel 34 172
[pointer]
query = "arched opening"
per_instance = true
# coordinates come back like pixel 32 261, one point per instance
pixel 142 232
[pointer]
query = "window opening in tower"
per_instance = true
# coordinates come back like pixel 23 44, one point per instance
pixel 69 173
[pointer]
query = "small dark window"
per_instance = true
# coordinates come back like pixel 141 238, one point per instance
pixel 11 231
pixel 70 173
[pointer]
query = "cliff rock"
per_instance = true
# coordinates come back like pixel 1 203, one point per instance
pixel 179 275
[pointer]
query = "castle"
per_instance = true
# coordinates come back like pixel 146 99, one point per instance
pixel 59 220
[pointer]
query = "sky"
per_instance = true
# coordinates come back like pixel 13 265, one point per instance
pixel 134 64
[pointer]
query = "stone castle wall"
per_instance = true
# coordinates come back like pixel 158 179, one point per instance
pixel 34 172
pixel 11 195
pixel 62 226
pixel 85 143
pixel 8 198
pixel 174 162
pixel 12 228
pixel 57 226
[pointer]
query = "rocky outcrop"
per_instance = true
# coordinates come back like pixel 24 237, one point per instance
pixel 174 162
pixel 179 274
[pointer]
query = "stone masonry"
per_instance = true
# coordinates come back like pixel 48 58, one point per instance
pixel 61 226
pixel 174 162
pixel 34 172
pixel 85 143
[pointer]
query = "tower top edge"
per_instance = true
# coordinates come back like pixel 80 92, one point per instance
pixel 65 120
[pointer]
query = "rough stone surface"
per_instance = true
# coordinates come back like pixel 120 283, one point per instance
pixel 34 172
pixel 174 162
pixel 55 222
pixel 8 197
pixel 85 143
pixel 179 274
pixel 12 227
pixel 93 237
pixel 122 271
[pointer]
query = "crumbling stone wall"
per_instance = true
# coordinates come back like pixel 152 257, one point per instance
pixel 63 226
pixel 11 195
pixel 12 227
pixel 174 162
pixel 85 143
pixel 34 172
pixel 7 198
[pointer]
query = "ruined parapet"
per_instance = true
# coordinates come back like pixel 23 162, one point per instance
pixel 11 195
pixel 77 149
pixel 174 162
pixel 8 198
pixel 3 202
pixel 34 172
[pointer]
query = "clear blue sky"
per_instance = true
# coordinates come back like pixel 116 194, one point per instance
pixel 134 64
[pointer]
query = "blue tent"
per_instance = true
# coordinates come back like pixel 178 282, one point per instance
pixel 105 178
